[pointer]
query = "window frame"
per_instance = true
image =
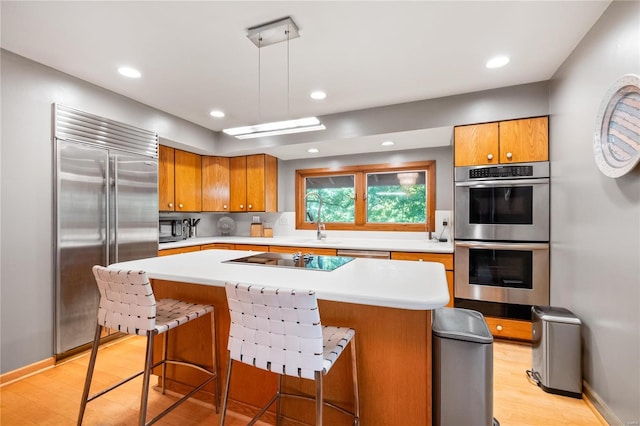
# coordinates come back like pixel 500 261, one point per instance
pixel 360 172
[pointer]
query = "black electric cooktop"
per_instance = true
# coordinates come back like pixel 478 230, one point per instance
pixel 296 261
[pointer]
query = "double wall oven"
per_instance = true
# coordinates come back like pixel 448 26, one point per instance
pixel 502 238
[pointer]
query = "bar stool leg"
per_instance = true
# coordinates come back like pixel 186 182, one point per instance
pixel 165 350
pixel 278 405
pixel 92 364
pixel 319 404
pixel 214 361
pixel 226 392
pixel 354 372
pixel 148 362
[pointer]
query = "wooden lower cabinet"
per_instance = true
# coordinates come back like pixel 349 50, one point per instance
pixel 505 328
pixel 320 251
pixel 251 247
pixel 218 246
pixel 167 252
pixel 445 258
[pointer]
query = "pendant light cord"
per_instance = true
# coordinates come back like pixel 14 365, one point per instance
pixel 288 79
pixel 259 82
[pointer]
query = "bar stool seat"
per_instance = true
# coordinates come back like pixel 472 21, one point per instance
pixel 279 330
pixel 127 304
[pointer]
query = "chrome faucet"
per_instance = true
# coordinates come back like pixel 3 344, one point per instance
pixel 320 226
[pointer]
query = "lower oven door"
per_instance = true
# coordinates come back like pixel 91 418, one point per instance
pixel 515 273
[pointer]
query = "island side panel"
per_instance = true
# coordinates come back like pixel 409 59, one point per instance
pixel 393 357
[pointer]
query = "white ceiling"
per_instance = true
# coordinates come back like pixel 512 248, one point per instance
pixel 195 56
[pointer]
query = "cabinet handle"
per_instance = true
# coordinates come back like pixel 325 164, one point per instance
pixel 509 155
pixel 224 207
pixel 242 206
pixel 490 157
pixel 171 205
pixel 180 205
pixel 499 328
pixel 250 206
pixel 420 260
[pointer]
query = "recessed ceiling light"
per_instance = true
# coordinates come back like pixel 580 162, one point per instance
pixel 217 113
pixel 498 62
pixel 129 72
pixel 313 150
pixel 387 143
pixel 318 95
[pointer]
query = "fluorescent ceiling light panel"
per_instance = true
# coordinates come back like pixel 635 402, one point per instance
pixel 300 125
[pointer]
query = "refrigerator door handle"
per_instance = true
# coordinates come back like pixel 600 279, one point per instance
pixel 115 210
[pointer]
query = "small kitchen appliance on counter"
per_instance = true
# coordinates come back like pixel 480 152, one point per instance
pixel 556 351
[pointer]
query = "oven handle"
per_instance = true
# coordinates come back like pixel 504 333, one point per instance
pixel 510 182
pixel 503 246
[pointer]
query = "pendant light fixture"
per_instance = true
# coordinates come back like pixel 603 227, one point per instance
pixel 265 35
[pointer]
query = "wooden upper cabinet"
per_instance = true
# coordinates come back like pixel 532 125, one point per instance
pixel 166 179
pixel 523 141
pixel 254 183
pixel 238 184
pixel 476 144
pixel 188 182
pixel 513 141
pixel 215 184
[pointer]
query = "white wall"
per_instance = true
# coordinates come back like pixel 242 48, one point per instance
pixel 26 275
pixel 595 232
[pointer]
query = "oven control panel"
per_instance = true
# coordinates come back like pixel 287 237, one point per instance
pixel 501 172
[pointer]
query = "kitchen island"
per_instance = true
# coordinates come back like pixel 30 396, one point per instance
pixel 387 302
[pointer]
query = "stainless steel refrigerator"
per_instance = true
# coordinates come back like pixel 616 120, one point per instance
pixel 106 211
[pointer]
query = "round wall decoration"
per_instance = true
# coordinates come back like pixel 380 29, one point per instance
pixel 616 144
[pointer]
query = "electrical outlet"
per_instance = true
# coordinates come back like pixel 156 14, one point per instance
pixel 445 221
pixel 283 220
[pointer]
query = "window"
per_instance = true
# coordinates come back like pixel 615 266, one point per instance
pixel 374 197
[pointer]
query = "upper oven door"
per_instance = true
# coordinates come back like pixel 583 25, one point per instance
pixel 502 210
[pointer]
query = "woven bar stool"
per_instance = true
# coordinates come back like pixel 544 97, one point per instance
pixel 279 330
pixel 128 305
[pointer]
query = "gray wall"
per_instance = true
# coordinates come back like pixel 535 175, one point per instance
pixel 595 233
pixel 26 275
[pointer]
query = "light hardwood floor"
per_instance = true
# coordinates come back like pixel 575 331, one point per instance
pixel 52 397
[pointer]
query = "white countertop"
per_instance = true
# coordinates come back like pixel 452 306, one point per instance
pixel 389 283
pixel 337 243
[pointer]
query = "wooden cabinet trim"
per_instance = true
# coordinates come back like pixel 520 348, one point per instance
pixel 320 251
pixel 445 258
pixel 509 328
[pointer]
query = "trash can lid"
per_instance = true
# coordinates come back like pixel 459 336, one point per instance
pixel 555 314
pixel 461 324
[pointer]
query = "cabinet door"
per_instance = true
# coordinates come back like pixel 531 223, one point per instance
pixel 238 184
pixel 255 182
pixel 476 144
pixel 523 141
pixel 169 252
pixel 166 181
pixel 215 184
pixel 188 183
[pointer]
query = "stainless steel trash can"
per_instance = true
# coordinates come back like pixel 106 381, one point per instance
pixel 462 368
pixel 556 351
